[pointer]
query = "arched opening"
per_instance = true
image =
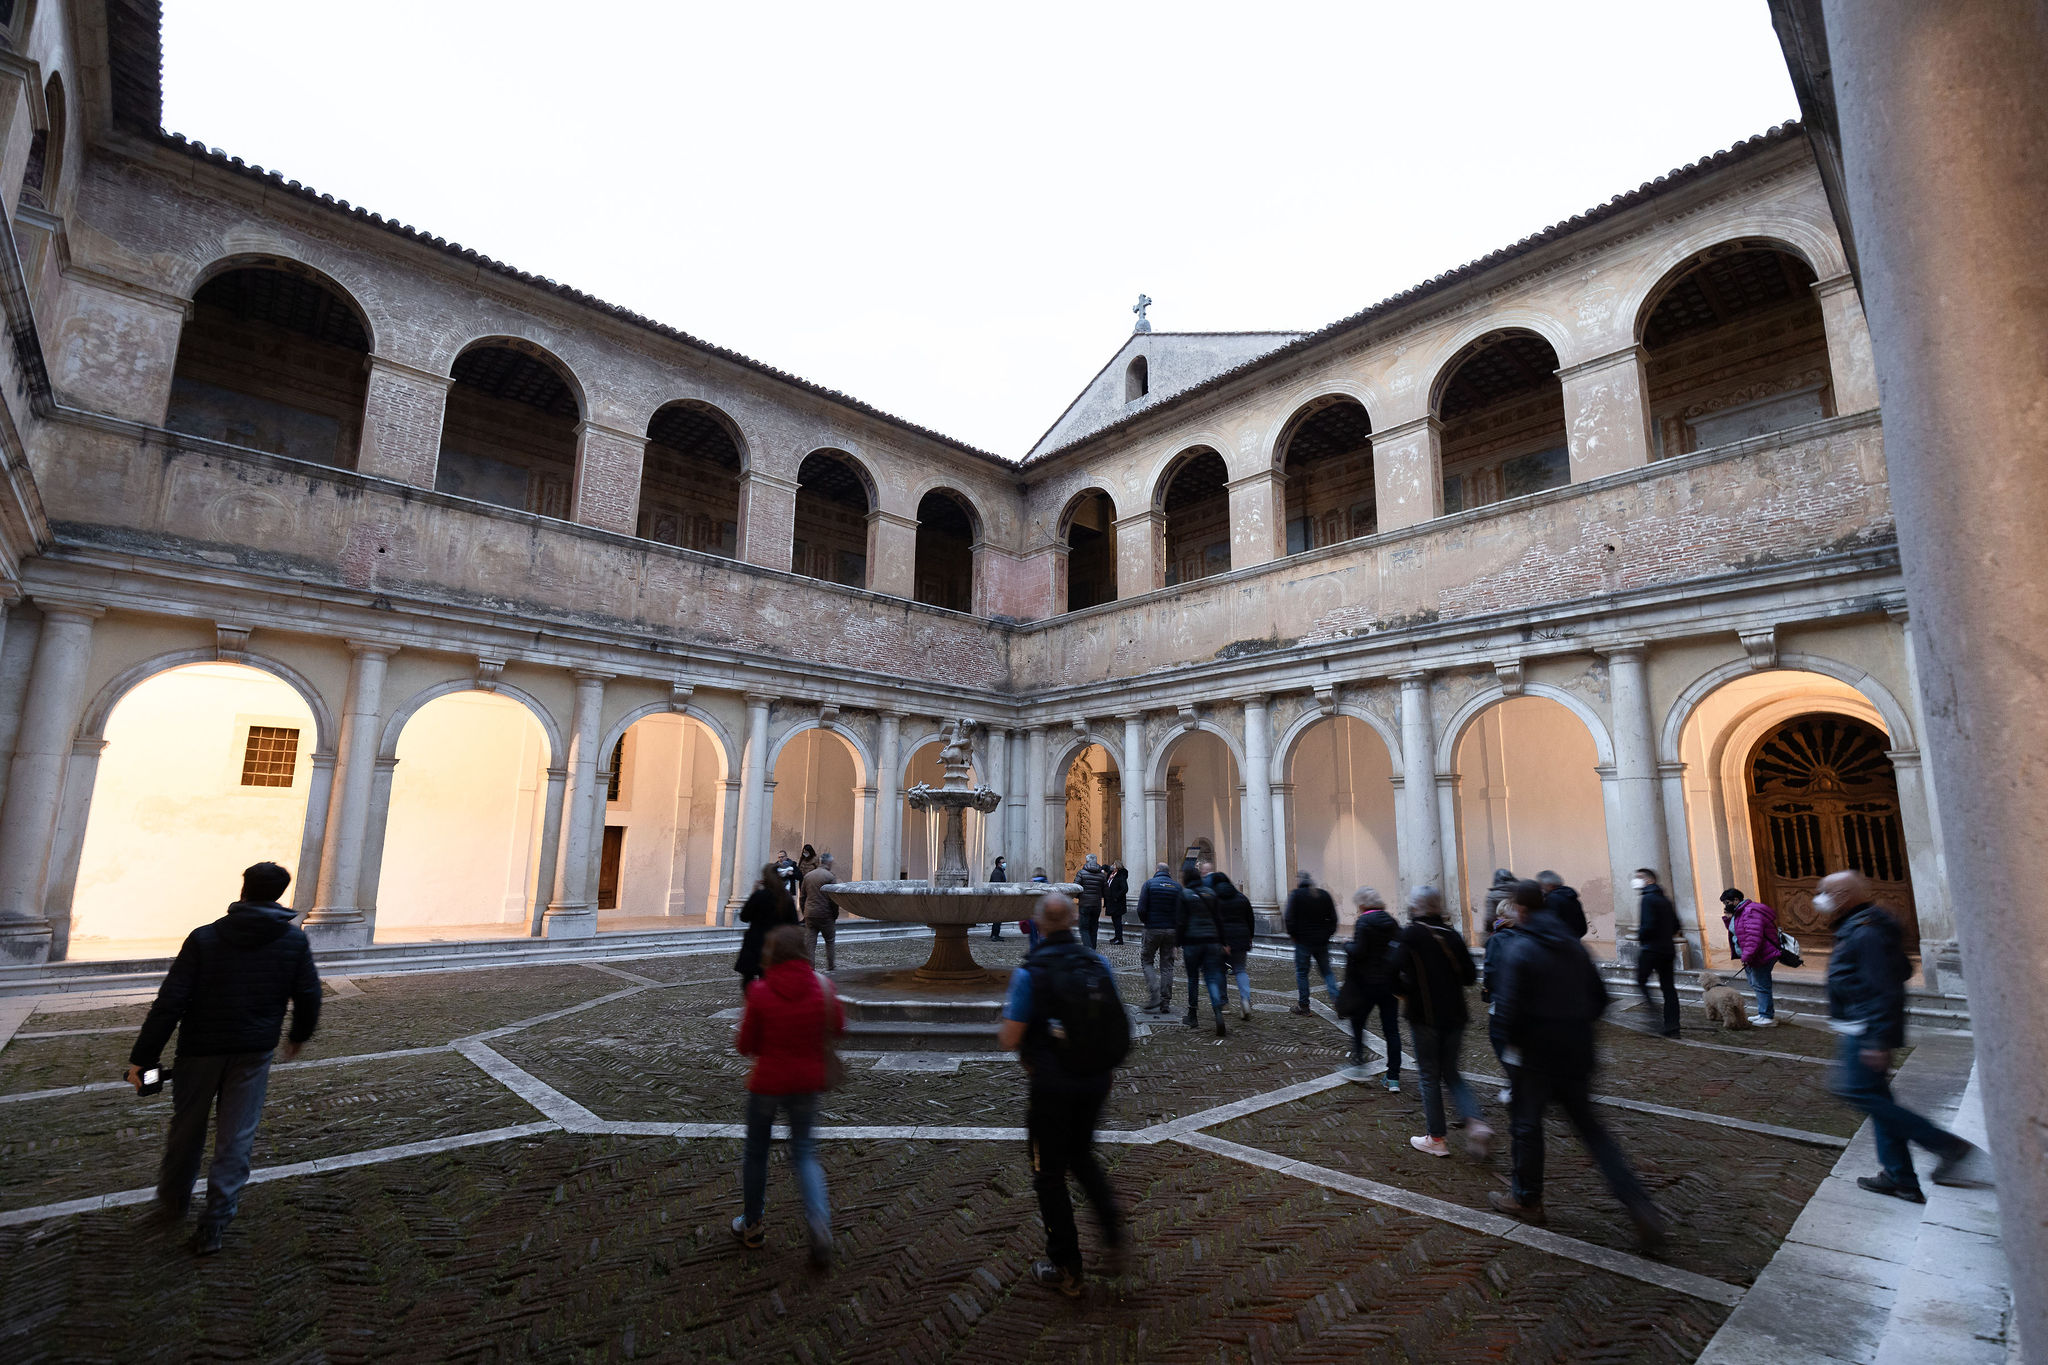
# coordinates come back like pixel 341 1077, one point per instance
pixel 207 769
pixel 924 830
pixel 462 838
pixel 833 499
pixel 1088 572
pixel 1137 379
pixel 274 358
pixel 1195 496
pixel 1344 815
pixel 508 436
pixel 1502 409
pixel 1736 347
pixel 1092 814
pixel 817 799
pixel 664 816
pixel 46 150
pixel 1204 803
pixel 1326 459
pixel 690 480
pixel 1529 800
pixel 946 532
pixel 1787 779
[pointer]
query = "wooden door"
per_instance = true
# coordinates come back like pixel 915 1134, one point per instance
pixel 608 867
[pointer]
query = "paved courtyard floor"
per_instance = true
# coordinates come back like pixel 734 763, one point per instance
pixel 538 1162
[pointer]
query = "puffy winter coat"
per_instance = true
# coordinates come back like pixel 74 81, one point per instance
pixel 1159 904
pixel 1546 986
pixel 783 1029
pixel 1563 902
pixel 1867 971
pixel 228 988
pixel 1371 962
pixel 1756 933
pixel 1093 881
pixel 1239 923
pixel 1432 968
pixel 1311 915
pixel 1200 918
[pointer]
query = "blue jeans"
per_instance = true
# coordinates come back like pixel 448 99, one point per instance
pixel 1760 982
pixel 1318 953
pixel 803 1154
pixel 233 1086
pixel 1436 1061
pixel 1870 1089
pixel 1204 962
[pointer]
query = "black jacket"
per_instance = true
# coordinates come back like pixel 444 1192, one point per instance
pixel 1547 991
pixel 767 907
pixel 1489 961
pixel 1001 871
pixel 228 989
pixel 1239 923
pixel 1867 971
pixel 1563 902
pixel 1200 918
pixel 1118 893
pixel 1311 916
pixel 1159 904
pixel 1371 964
pixel 1094 881
pixel 1656 920
pixel 1432 968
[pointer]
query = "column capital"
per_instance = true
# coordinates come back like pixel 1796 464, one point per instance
pixel 1413 680
pixel 1412 427
pixel 371 649
pixel 591 676
pixel 1628 354
pixel 1265 474
pixel 890 715
pixel 764 479
pixel 760 699
pixel 1154 516
pixel 880 515
pixel 412 372
pixel 1261 700
pixel 68 607
pixel 1625 650
pixel 586 427
pixel 1034 731
pixel 1834 284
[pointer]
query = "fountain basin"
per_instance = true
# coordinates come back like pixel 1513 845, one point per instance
pixel 949 910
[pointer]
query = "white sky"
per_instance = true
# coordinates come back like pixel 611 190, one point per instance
pixel 947 210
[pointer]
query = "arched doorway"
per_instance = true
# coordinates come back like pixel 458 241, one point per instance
pixel 1326 458
pixel 1204 804
pixel 207 769
pixel 664 818
pixel 1530 800
pixel 817 799
pixel 463 830
pixel 508 433
pixel 275 358
pixel 1195 497
pixel 944 561
pixel 924 830
pixel 1822 797
pixel 1091 815
pixel 1344 818
pixel 690 480
pixel 1502 408
pixel 1088 572
pixel 833 499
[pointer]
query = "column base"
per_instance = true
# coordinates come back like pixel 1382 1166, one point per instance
pixel 1941 964
pixel 25 941
pixel 329 927
pixel 569 921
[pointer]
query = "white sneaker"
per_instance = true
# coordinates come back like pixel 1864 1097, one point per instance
pixel 1507 1096
pixel 1430 1146
pixel 1758 1021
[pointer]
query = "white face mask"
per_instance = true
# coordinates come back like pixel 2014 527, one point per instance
pixel 1639 883
pixel 1824 903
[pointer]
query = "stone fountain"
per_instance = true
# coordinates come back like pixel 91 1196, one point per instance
pixel 951 901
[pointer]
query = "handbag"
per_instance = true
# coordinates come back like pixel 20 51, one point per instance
pixel 835 1068
pixel 1788 950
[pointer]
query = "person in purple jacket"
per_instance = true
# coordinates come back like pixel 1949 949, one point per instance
pixel 1753 934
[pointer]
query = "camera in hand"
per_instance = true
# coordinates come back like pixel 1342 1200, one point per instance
pixel 152 1081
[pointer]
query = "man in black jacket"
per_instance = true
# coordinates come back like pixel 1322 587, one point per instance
pixel 1158 919
pixel 1093 881
pixel 1656 945
pixel 1311 921
pixel 1563 902
pixel 1369 980
pixel 1199 931
pixel 226 995
pixel 1867 971
pixel 1546 995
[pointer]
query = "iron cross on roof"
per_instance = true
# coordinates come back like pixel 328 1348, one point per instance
pixel 1144 323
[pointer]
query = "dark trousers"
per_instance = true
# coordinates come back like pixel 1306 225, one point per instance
pixel 1379 998
pixel 995 929
pixel 1662 961
pixel 1116 923
pixel 1895 1126
pixel 1564 1074
pixel 1498 1036
pixel 232 1086
pixel 1204 962
pixel 1436 1062
pixel 1091 921
pixel 1059 1126
pixel 827 929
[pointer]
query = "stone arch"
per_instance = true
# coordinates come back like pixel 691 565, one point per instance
pixel 949 526
pixel 1155 763
pixel 286 259
pixel 1330 494
pixel 1283 749
pixel 1810 241
pixel 1086 575
pixel 1192 497
pixel 1454 728
pixel 864 768
pixel 831 535
pixel 533 350
pixel 511 427
pixel 1451 351
pixel 1153 489
pixel 690 476
pixel 1342 812
pixel 1273 445
pixel 387 744
pixel 1227 830
pixel 1893 716
pixel 1500 407
pixel 93 723
pixel 728 753
pixel 668 803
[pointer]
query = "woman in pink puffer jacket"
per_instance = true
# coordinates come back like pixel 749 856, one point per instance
pixel 1753 933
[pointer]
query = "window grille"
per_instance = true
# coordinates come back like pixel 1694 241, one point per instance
pixel 270 757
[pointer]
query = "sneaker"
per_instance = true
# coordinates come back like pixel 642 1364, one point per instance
pixel 165 1214
pixel 1478 1140
pixel 1357 1058
pixel 1219 1026
pixel 1760 1021
pixel 750 1235
pixel 1947 1170
pixel 206 1241
pixel 1507 1096
pixel 1244 1011
pixel 1430 1146
pixel 1394 1084
pixel 1531 1212
pixel 1302 1008
pixel 1057 1277
pixel 1884 1184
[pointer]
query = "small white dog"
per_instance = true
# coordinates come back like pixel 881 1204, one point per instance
pixel 1724 1003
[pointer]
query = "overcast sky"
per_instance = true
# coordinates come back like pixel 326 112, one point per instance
pixel 947 210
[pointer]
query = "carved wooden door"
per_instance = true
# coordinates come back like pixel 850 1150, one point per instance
pixel 1823 798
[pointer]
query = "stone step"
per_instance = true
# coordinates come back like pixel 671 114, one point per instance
pixel 978 1012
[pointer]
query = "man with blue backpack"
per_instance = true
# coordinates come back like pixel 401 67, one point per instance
pixel 1067 1024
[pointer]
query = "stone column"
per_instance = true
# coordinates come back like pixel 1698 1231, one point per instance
pixel 1139 851
pixel 608 478
pixel 550 848
pixel 864 837
pixel 728 841
pixel 1258 518
pixel 35 778
pixel 337 919
pixel 1140 553
pixel 1636 835
pixel 306 875
pixel 1284 866
pixel 1852 371
pixel 995 775
pixel 767 528
pixel 1013 808
pixel 1607 413
pixel 1456 894
pixel 752 821
pixel 1035 851
pixel 1258 807
pixel 373 838
pixel 402 413
pixel 62 882
pixel 1679 877
pixel 892 554
pixel 1421 858
pixel 573 911
pixel 1109 817
pixel 1157 835
pixel 1408 473
pixel 888 797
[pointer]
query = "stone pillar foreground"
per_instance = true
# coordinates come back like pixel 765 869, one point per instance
pixel 573 911
pixel 1607 413
pixel 888 799
pixel 1034 806
pixel 753 797
pixel 1635 810
pixel 337 919
pixel 1852 371
pixel 550 848
pixel 996 761
pixel 1258 810
pixel 1139 854
pixel 728 843
pixel 1944 122
pixel 42 750
pixel 1421 852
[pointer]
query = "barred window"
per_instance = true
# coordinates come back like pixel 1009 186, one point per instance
pixel 611 785
pixel 271 757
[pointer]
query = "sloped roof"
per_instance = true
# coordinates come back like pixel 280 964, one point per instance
pixel 1175 362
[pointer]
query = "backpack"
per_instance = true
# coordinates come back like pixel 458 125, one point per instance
pixel 1087 1031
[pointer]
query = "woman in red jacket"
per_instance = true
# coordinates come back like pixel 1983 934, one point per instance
pixel 790 1016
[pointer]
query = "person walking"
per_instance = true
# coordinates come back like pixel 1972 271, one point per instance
pixel 1505 922
pixel 1116 899
pixel 1497 894
pixel 1198 929
pixel 1310 919
pixel 999 873
pixel 1158 928
pixel 1753 934
pixel 1063 1018
pixel 791 1017
pixel 1369 981
pixel 1240 925
pixel 225 996
pixel 1867 971
pixel 1656 945
pixel 767 905
pixel 1093 882
pixel 821 912
pixel 1546 995
pixel 1432 968
pixel 1563 902
pixel 806 862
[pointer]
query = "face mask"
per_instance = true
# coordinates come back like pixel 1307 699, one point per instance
pixel 1639 883
pixel 1824 903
